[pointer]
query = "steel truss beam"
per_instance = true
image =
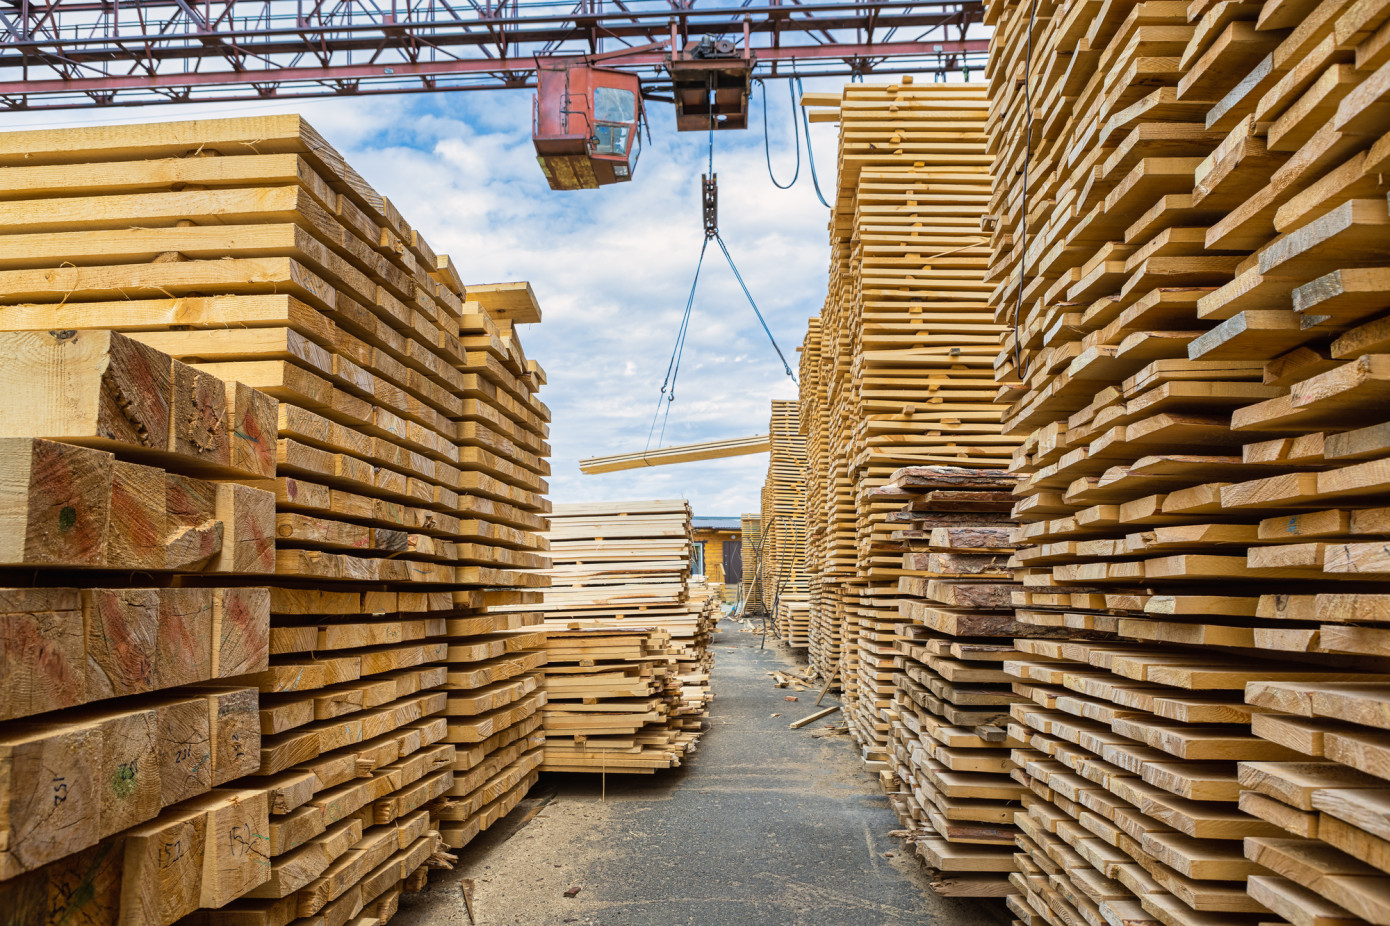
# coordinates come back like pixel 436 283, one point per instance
pixel 60 54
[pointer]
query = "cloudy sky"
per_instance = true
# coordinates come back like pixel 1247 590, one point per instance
pixel 612 267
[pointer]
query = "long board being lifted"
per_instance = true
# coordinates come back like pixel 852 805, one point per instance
pixel 679 453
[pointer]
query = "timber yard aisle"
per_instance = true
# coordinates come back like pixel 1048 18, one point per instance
pixel 763 826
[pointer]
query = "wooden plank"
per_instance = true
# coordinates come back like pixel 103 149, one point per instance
pixel 679 453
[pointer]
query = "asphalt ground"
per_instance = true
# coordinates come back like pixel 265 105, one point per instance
pixel 762 826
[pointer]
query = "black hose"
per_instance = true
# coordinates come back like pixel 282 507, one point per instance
pixel 796 134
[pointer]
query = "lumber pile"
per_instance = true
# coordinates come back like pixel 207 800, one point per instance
pixel 903 357
pixel 824 572
pixel 751 537
pixel 949 749
pixel 1196 289
pixel 345 427
pixel 615 701
pixel 623 566
pixel 783 544
pixel 127 723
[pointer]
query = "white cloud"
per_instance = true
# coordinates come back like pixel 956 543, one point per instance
pixel 612 267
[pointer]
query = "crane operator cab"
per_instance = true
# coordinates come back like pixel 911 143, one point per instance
pixel 585 124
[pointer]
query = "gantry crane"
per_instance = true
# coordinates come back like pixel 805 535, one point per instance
pixel 594 62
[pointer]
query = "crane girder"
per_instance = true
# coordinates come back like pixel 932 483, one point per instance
pixel 57 54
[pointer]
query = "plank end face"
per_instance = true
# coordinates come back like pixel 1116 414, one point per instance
pixel 184 749
pixel 138 524
pixel 43 656
pixel 240 631
pixel 122 632
pixel 80 890
pixel 48 806
pixel 127 779
pixel 252 433
pixel 183 651
pixel 236 855
pixel 248 523
pixel 236 733
pixel 163 869
pixel 199 422
pixel 84 386
pixel 55 503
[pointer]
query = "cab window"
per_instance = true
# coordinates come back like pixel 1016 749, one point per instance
pixel 610 139
pixel 614 105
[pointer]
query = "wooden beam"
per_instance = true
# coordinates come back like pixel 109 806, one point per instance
pixel 679 453
pixel 514 302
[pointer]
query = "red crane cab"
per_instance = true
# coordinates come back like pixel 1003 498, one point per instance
pixel 585 123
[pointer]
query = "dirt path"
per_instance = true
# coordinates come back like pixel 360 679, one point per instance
pixel 763 826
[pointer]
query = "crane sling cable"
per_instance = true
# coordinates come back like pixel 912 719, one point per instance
pixel 810 151
pixel 710 201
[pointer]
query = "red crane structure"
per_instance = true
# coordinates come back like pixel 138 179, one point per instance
pixel 57 54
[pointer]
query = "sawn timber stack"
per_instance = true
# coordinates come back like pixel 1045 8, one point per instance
pixel 1195 286
pixel 902 353
pixel 782 528
pixel 631 701
pixel 128 716
pixel 948 744
pixel 400 476
pixel 751 536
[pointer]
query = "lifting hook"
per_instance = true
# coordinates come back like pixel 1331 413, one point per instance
pixel 710 184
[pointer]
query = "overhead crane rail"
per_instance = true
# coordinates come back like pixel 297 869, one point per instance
pixel 58 54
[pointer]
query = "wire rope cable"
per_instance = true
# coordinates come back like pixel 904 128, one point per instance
pixel 738 276
pixel 810 149
pixel 667 394
pixel 668 385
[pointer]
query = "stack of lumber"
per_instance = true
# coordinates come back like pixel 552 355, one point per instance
pixel 906 344
pixel 624 565
pixel 704 593
pixel 751 538
pixel 785 595
pixel 615 701
pixel 948 746
pixel 127 724
pixel 494 703
pixel 625 561
pixel 828 563
pixel 401 473
pixel 1197 287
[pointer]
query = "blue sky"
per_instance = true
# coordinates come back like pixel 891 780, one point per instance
pixel 611 267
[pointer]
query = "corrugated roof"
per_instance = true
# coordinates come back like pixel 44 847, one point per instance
pixel 717 524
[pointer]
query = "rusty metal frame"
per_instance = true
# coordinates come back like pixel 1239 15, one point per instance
pixel 59 54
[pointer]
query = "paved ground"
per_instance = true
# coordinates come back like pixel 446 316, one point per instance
pixel 763 826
